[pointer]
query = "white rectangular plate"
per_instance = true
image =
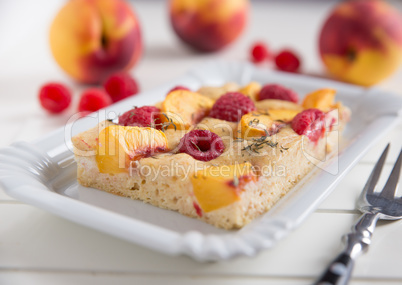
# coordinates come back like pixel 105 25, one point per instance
pixel 43 173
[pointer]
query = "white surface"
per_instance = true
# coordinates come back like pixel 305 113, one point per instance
pixel 38 248
pixel 166 231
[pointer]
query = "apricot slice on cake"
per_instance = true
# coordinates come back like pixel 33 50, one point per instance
pixel 268 123
pixel 255 125
pixel 251 90
pixel 285 115
pixel 218 186
pixel 322 99
pixel 273 104
pixel 183 108
pixel 119 145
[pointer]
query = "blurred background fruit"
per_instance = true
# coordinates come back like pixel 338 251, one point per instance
pixel 92 100
pixel 361 41
pixel 208 25
pixel 92 38
pixel 287 60
pixel 120 85
pixel 54 97
pixel 259 52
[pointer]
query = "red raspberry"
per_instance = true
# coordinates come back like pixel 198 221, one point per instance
pixel 278 92
pixel 231 107
pixel 287 60
pixel 54 97
pixel 120 85
pixel 259 52
pixel 311 123
pixel 202 145
pixel 146 116
pixel 178 87
pixel 93 99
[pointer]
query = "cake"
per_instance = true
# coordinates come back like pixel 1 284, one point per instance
pixel 224 155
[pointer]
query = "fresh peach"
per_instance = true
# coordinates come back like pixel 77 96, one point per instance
pixel 118 146
pixel 218 186
pixel 90 39
pixel 208 25
pixel 361 41
pixel 183 108
pixel 322 99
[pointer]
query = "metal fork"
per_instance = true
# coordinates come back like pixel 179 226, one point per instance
pixel 374 206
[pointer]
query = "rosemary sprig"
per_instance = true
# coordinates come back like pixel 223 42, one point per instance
pixel 132 113
pixel 196 145
pixel 259 143
pixel 164 126
pixel 168 123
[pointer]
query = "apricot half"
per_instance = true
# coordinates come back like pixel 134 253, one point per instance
pixel 218 186
pixel 322 99
pixel 260 124
pixel 282 114
pixel 119 145
pixel 255 125
pixel 183 109
pixel 273 104
pixel 251 90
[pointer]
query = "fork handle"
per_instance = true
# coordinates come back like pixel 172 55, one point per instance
pixel 357 242
pixel 338 272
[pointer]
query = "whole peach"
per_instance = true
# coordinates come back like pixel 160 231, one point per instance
pixel 91 39
pixel 361 41
pixel 208 25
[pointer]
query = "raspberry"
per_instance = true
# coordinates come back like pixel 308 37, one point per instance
pixel 278 92
pixel 120 85
pixel 287 60
pixel 146 116
pixel 178 87
pixel 93 99
pixel 259 52
pixel 231 107
pixel 202 145
pixel 311 123
pixel 54 97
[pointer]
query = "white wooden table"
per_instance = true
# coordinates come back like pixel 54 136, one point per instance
pixel 39 248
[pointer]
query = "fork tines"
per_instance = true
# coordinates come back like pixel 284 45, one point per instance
pixel 389 190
